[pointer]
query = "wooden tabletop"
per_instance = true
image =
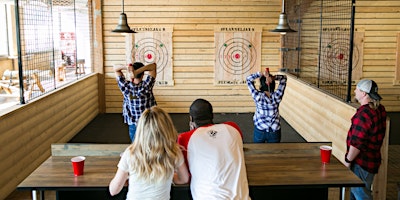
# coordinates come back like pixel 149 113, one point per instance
pixel 294 164
pixel 56 172
pixel 268 165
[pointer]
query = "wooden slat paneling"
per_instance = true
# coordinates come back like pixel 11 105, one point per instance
pixel 321 117
pixel 193 47
pixel 27 133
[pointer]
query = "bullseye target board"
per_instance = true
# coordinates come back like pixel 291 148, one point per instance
pixel 153 45
pixel 237 54
pixel 335 57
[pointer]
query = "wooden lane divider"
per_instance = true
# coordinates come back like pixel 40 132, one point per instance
pixel 284 149
pixel 85 149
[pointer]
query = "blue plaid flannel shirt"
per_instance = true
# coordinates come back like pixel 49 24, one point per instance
pixel 266 116
pixel 137 98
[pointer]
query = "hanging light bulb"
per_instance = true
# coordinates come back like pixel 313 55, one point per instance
pixel 283 25
pixel 122 26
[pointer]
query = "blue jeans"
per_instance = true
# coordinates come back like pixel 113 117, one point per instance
pixel 132 131
pixel 261 136
pixel 362 193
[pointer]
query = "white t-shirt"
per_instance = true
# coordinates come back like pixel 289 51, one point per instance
pixel 140 190
pixel 216 163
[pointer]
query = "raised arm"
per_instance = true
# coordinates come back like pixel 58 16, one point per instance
pixel 118 69
pixel 250 81
pixel 151 68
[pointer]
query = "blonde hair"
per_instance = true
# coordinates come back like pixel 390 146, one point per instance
pixel 155 152
pixel 374 104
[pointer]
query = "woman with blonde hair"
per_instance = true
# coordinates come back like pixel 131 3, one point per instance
pixel 153 161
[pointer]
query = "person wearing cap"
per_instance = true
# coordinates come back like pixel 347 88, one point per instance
pixel 138 93
pixel 267 126
pixel 214 155
pixel 365 137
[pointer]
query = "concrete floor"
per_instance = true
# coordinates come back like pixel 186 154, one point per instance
pixel 109 128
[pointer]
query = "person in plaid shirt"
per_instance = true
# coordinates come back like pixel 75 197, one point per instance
pixel 138 93
pixel 267 126
pixel 365 137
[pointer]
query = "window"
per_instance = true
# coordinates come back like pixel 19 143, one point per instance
pixel 42 28
pixel 3 31
pixel 37 19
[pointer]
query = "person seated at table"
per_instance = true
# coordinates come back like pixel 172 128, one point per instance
pixel 153 161
pixel 214 155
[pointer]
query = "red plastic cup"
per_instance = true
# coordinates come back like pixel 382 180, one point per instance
pixel 326 152
pixel 78 164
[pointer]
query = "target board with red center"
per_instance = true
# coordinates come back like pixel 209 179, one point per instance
pixel 237 55
pixel 154 45
pixel 335 57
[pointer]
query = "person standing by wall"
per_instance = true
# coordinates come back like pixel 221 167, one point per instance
pixel 267 126
pixel 214 155
pixel 153 161
pixel 138 93
pixel 365 138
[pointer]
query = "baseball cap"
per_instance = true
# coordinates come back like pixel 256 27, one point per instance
pixel 370 87
pixel 201 109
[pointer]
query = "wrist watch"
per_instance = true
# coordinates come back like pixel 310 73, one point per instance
pixel 347 160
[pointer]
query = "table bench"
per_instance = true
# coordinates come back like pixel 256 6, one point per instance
pixel 277 171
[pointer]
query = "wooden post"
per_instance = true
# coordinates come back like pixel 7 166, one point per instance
pixel 397 68
pixel 380 180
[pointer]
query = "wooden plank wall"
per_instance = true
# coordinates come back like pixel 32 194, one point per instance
pixel 26 134
pixel 321 117
pixel 380 21
pixel 193 47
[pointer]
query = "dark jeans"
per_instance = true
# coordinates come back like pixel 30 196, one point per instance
pixel 132 131
pixel 362 193
pixel 269 136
